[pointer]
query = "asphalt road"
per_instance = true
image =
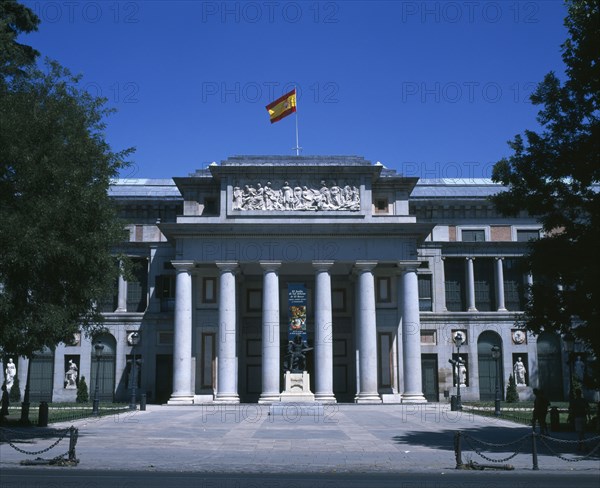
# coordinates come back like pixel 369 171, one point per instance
pixel 72 477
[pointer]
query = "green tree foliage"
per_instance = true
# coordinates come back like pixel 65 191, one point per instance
pixel 512 396
pixel 554 175
pixel 82 391
pixel 14 395
pixel 15 19
pixel 57 223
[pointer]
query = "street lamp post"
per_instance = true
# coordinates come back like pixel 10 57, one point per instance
pixel 98 347
pixel 496 356
pixel 134 339
pixel 569 342
pixel 458 340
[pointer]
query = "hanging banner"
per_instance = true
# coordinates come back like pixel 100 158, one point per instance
pixel 297 299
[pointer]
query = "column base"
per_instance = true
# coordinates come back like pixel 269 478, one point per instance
pixel 472 309
pixel 227 398
pixel 181 400
pixel 325 398
pixel 502 309
pixel 368 398
pixel 413 398
pixel 267 398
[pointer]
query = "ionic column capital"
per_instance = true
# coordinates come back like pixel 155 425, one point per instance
pixel 183 265
pixel 408 266
pixel 270 265
pixel 322 265
pixel 364 266
pixel 227 266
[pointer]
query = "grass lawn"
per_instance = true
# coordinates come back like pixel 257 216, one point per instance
pixel 522 412
pixel 63 412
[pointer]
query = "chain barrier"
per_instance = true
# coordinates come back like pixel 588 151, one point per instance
pixel 72 432
pixel 581 457
pixel 478 445
pixel 478 450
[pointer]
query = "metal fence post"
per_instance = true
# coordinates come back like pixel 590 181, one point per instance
pixel 458 450
pixel 534 452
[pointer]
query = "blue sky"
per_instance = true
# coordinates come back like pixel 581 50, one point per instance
pixel 431 89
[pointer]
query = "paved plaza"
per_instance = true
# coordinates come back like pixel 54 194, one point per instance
pixel 340 439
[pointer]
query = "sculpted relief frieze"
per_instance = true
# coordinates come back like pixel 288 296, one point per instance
pixel 300 197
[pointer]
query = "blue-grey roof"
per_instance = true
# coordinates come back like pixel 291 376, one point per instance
pixel 456 188
pixel 142 188
pixel 425 189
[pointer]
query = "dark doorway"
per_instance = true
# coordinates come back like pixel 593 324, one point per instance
pixel 429 372
pixel 164 378
pixel 550 376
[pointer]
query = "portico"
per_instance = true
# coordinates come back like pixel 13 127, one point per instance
pixel 251 226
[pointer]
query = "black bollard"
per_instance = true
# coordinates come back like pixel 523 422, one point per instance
pixel 43 415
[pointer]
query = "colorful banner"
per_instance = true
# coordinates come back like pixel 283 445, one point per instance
pixel 297 299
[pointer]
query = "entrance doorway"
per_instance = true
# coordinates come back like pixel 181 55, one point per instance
pixel 487 366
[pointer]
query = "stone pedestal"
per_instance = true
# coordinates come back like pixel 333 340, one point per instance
pixel 64 395
pixel 297 388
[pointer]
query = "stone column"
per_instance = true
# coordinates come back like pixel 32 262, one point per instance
pixel 227 363
pixel 470 286
pixel 367 332
pixel 500 285
pixel 271 367
pixel 122 291
pixel 323 333
pixel 411 336
pixel 182 339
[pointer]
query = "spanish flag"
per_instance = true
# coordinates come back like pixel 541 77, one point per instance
pixel 282 107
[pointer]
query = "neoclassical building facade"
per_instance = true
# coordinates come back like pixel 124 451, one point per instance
pixel 391 269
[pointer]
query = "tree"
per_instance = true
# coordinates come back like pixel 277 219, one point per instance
pixel 512 395
pixel 82 391
pixel 15 19
pixel 58 225
pixel 554 175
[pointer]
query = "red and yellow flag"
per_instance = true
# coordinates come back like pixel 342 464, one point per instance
pixel 282 107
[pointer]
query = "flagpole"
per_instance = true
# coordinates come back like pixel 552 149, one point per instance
pixel 297 148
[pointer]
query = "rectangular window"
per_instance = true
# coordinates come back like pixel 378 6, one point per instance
pixel 425 297
pixel 165 292
pixel 525 235
pixel 384 292
pixel 454 270
pixel 209 290
pixel 386 368
pixel 254 300
pixel 207 370
pixel 338 299
pixel 514 288
pixel 473 235
pixel 428 338
pixel 381 206
pixel 485 300
pixel 137 287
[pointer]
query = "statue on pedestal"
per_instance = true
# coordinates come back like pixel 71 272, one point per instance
pixel 71 376
pixel 295 358
pixel 10 372
pixel 520 371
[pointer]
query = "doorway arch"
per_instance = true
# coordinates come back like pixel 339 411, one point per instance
pixel 487 365
pixel 549 371
pixel 102 371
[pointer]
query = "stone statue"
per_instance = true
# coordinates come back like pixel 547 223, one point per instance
pixel 71 376
pixel 460 369
pixel 295 358
pixel 519 370
pixel 10 372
